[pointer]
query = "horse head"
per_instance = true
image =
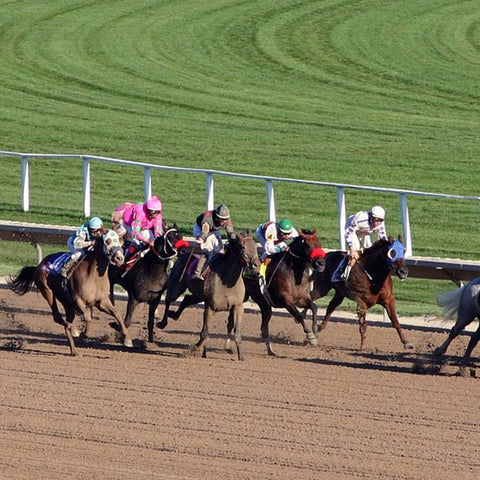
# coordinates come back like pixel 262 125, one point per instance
pixel 112 248
pixel 245 248
pixel 167 246
pixel 308 246
pixel 396 257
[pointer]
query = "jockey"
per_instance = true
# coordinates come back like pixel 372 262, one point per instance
pixel 143 222
pixel 206 232
pixel 81 241
pixel 273 236
pixel 358 231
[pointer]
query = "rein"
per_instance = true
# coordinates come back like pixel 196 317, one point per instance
pixel 164 247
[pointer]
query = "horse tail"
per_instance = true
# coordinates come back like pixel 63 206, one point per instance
pixel 23 281
pixel 450 301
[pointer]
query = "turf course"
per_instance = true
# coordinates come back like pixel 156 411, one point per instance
pixel 362 92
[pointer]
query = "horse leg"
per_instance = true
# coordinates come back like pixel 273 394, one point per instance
pixel 237 311
pixel 106 306
pixel 391 309
pixel 49 296
pixel 152 308
pixel 362 323
pixel 230 326
pixel 186 302
pixel 70 315
pixel 266 310
pixel 313 307
pixel 471 345
pixel 200 347
pixel 131 306
pixel 299 318
pixel 460 324
pixel 333 304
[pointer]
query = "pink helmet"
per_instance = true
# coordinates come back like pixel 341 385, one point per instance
pixel 154 204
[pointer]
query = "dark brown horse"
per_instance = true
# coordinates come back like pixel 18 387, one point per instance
pixel 88 286
pixel 222 290
pixel 287 285
pixel 370 283
pixel 146 281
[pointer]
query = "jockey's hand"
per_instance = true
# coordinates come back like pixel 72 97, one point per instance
pixel 199 241
pixel 353 253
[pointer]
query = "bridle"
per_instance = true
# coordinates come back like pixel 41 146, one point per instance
pixel 168 246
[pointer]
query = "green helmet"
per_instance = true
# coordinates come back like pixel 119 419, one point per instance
pixel 285 226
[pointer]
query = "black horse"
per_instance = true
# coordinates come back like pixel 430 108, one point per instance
pixel 146 281
pixel 370 283
pixel 287 285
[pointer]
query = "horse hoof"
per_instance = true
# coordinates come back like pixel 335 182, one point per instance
pixel 76 332
pixel 162 325
pixel 312 339
pixel 409 346
pixel 128 343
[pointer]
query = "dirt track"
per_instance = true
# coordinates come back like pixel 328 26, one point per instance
pixel 328 412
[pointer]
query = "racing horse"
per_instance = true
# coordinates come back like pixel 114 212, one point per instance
pixel 222 290
pixel 287 285
pixel 370 283
pixel 464 302
pixel 88 285
pixel 146 281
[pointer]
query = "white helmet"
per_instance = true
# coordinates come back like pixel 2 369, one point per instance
pixel 378 212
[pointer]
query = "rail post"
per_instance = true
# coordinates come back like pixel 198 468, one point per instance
pixel 147 183
pixel 87 199
pixel 407 234
pixel 210 191
pixel 271 207
pixel 342 216
pixel 25 183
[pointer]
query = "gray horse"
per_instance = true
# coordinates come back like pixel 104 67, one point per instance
pixel 464 302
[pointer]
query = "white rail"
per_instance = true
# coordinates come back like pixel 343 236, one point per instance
pixel 210 188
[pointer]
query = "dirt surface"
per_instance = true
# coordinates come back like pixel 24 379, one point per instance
pixel 326 412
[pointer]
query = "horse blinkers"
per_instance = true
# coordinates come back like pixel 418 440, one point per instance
pixel 396 260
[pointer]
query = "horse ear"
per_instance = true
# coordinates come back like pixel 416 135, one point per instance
pixel 400 238
pixel 314 231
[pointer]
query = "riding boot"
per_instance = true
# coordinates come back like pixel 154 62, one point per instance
pixel 341 274
pixel 198 273
pixel 69 264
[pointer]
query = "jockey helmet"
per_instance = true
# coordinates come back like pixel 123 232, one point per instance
pixel 378 212
pixel 285 226
pixel 95 223
pixel 222 212
pixel 154 204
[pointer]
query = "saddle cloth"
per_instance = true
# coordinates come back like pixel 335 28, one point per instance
pixel 56 262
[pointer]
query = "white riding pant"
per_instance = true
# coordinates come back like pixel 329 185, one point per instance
pixel 212 244
pixel 147 235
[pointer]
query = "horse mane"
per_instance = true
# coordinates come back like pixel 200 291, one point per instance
pixel 377 245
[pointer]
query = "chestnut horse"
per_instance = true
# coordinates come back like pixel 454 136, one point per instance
pixel 464 302
pixel 222 290
pixel 147 279
pixel 370 283
pixel 287 285
pixel 88 286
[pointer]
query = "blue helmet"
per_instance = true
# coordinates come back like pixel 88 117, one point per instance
pixel 95 223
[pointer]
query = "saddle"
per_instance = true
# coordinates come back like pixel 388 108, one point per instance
pixel 133 254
